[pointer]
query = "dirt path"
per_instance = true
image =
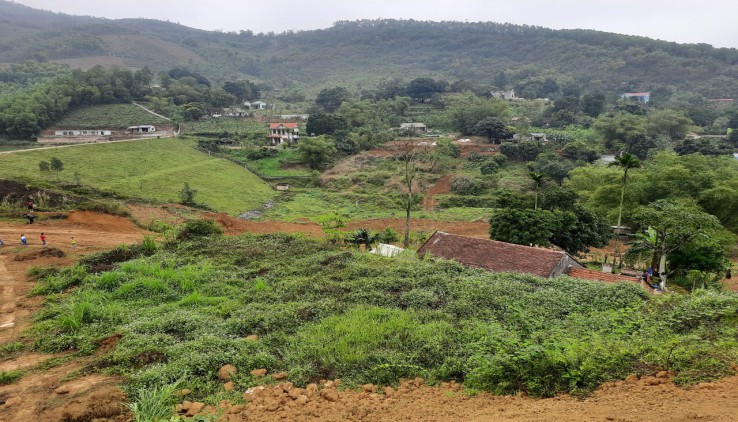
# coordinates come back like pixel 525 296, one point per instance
pixel 62 392
pixel 73 145
pixel 443 185
pixel 152 112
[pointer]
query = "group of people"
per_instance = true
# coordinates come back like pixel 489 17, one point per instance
pixel 30 216
pixel 42 237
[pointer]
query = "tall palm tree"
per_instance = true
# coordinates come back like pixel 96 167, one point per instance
pixel 538 179
pixel 626 161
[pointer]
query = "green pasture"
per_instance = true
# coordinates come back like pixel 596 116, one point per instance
pixel 108 116
pixel 154 169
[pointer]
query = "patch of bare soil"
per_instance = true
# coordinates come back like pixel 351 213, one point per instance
pixel 46 395
pixel 652 398
pixel 443 185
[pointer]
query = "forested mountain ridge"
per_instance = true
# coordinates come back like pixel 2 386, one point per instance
pixel 536 61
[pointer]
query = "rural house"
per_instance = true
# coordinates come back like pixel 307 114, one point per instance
pixel 141 129
pixel 83 132
pixel 497 256
pixel 255 105
pixel 280 133
pixel 417 127
pixel 504 95
pixel 640 96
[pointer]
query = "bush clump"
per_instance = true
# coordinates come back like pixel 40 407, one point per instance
pixel 194 229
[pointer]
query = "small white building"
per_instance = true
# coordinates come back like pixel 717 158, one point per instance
pixel 83 132
pixel 504 95
pixel 384 249
pixel 418 127
pixel 141 129
pixel 255 105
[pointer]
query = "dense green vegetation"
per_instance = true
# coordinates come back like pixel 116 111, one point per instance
pixel 325 312
pixel 537 62
pixel 150 169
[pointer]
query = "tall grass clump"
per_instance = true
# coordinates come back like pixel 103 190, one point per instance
pixel 154 403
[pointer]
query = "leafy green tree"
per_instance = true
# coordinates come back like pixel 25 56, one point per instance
pixel 593 104
pixel 492 128
pixel 522 151
pixel 671 123
pixel 316 152
pixel 665 227
pixel 580 151
pixel 702 146
pixel 523 226
pixel 579 229
pixel 56 165
pixel 44 166
pixel 330 99
pixel 325 124
pixel 424 88
pixel 623 128
pixel 552 166
pixel 187 195
pixel 193 111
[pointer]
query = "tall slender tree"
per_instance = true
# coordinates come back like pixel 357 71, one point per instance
pixel 626 162
pixel 538 180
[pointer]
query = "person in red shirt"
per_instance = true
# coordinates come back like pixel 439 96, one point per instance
pixel 43 239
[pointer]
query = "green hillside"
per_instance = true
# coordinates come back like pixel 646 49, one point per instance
pixel 108 116
pixel 536 61
pixel 151 169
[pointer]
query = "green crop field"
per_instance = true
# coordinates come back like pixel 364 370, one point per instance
pixel 154 169
pixel 246 127
pixel 108 116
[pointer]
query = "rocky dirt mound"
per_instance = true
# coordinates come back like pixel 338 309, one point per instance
pixel 653 398
pixel 35 254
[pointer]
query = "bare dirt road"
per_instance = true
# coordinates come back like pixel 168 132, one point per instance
pixel 73 391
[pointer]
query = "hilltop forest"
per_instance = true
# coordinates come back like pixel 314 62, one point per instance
pixel 536 61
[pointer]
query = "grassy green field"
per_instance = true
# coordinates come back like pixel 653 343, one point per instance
pixel 154 169
pixel 272 166
pixel 108 116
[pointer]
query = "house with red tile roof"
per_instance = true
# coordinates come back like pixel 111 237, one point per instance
pixel 495 256
pixel 280 133
pixel 498 256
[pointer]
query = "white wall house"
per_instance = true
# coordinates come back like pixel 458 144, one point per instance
pixel 280 133
pixel 83 132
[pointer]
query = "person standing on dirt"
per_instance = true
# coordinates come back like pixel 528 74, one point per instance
pixel 74 243
pixel 43 240
pixel 30 217
pixel 24 241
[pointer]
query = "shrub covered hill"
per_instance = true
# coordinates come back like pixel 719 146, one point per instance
pixel 194 304
pixel 536 61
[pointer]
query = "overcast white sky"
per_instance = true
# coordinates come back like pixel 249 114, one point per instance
pixel 697 21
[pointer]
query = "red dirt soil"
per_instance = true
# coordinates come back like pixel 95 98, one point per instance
pixel 73 392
